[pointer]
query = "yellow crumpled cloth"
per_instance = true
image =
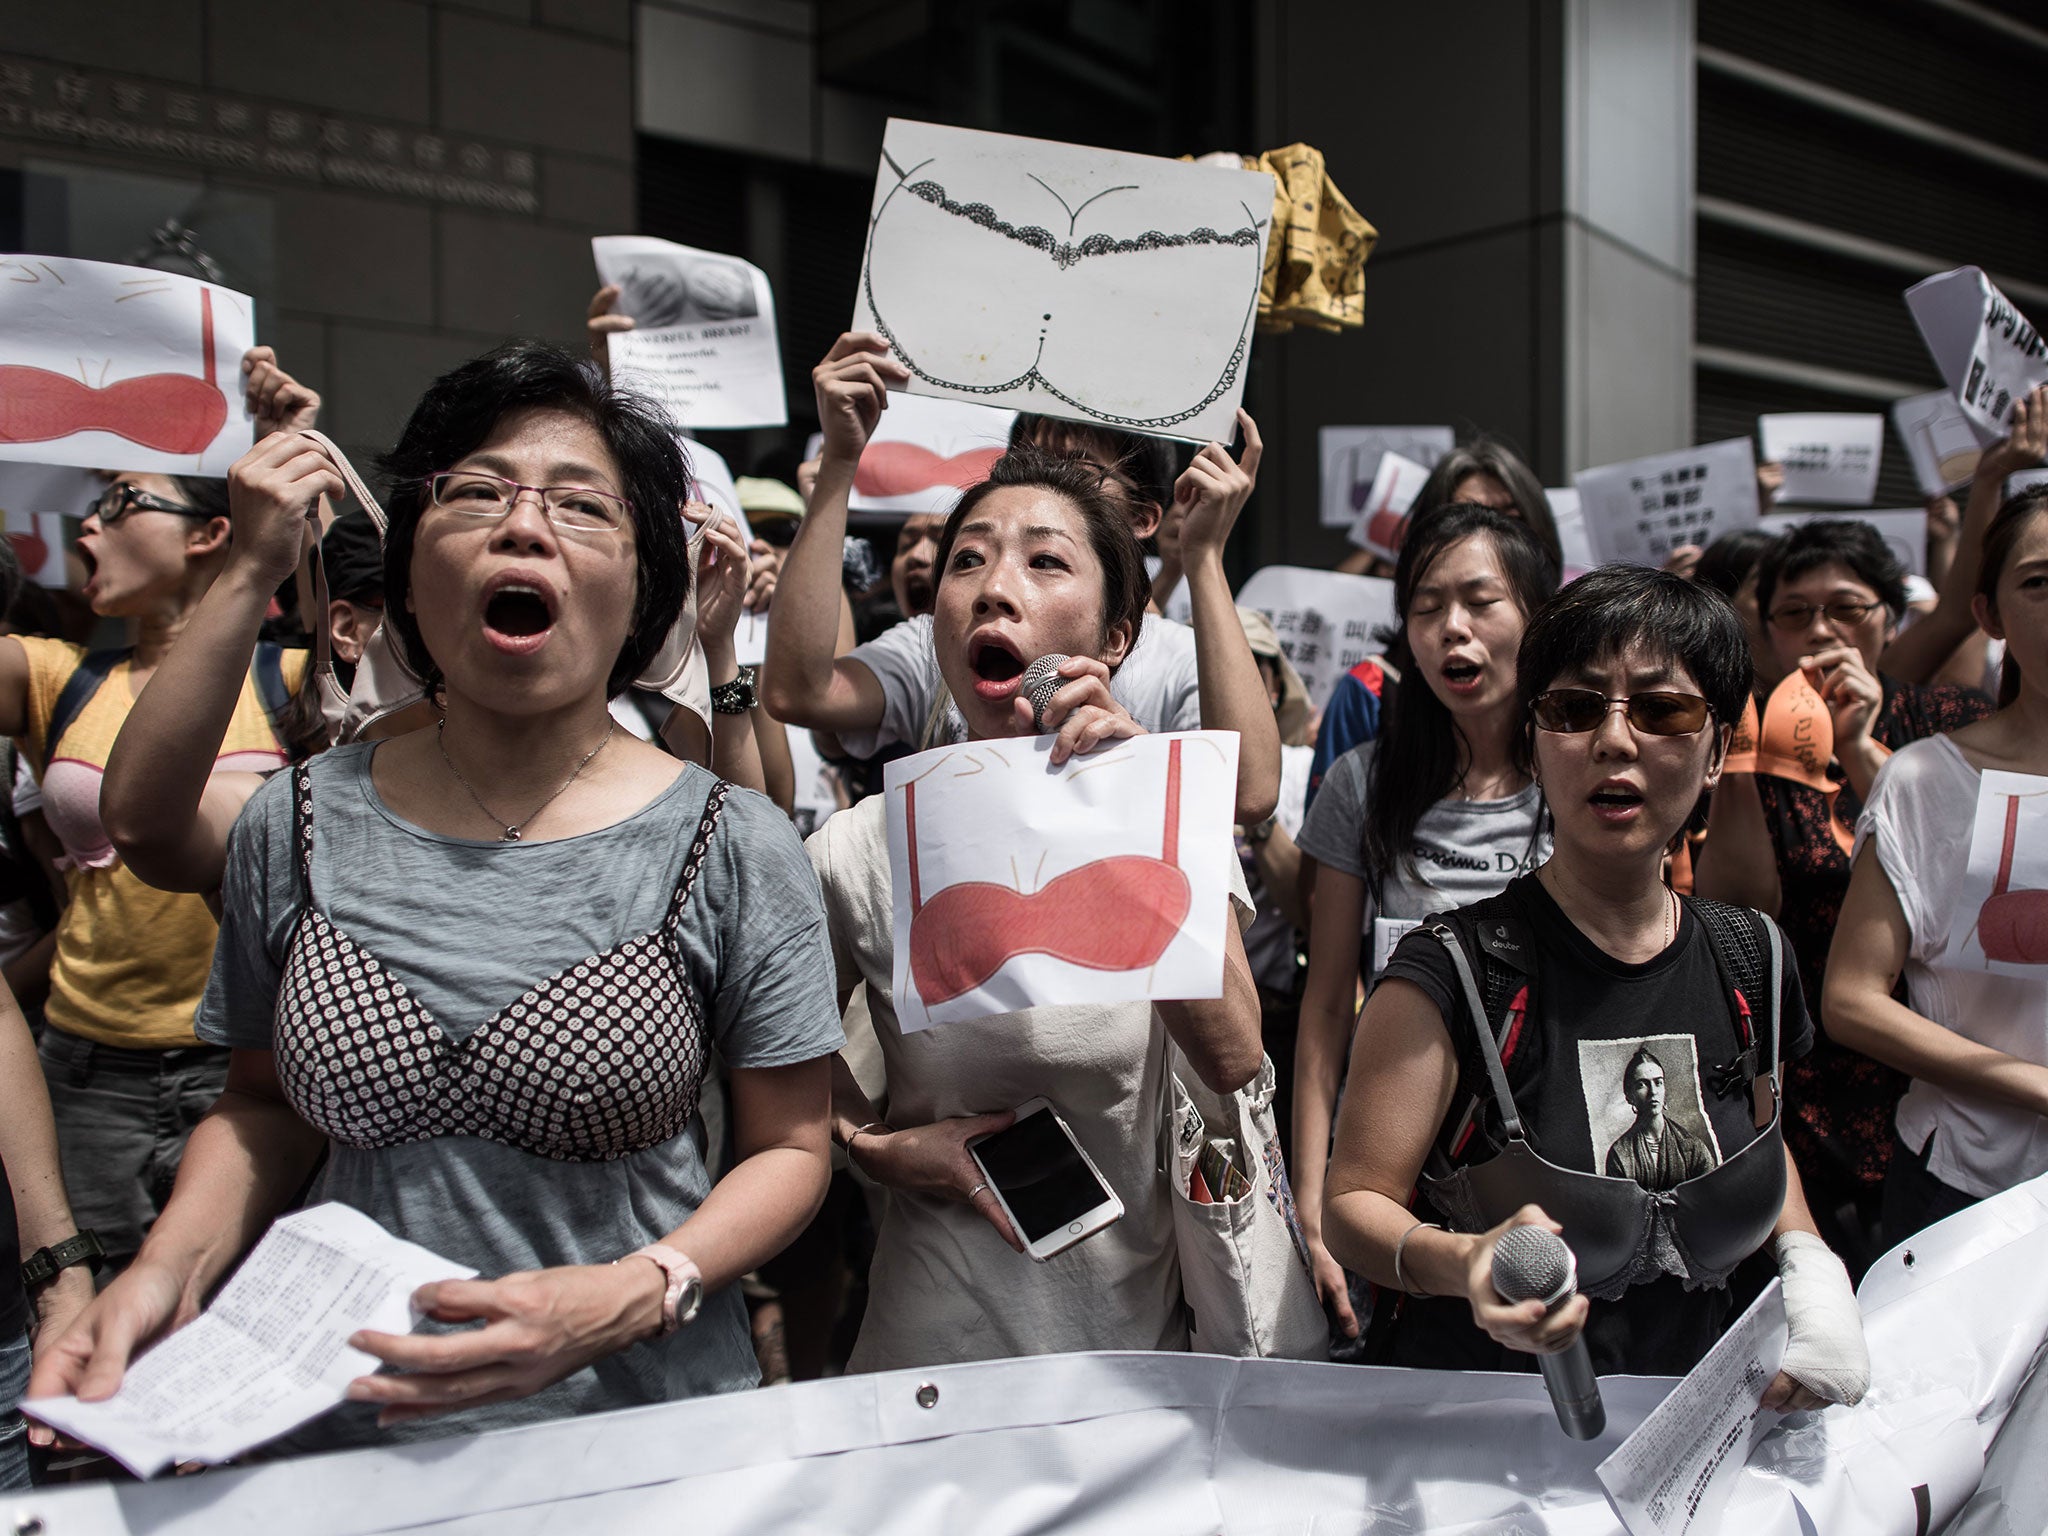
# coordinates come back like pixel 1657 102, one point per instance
pixel 1317 247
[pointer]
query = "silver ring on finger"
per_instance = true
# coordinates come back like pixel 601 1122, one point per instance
pixel 976 1190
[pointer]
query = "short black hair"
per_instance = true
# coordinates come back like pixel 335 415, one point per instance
pixel 1147 462
pixel 352 556
pixel 1732 559
pixel 1621 607
pixel 1832 541
pixel 458 414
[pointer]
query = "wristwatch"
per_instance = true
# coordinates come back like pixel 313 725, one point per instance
pixel 737 696
pixel 685 1291
pixel 41 1267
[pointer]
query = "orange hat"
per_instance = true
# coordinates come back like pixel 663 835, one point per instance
pixel 1796 738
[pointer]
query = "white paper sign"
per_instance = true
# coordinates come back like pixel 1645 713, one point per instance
pixel 1384 521
pixel 1351 461
pixel 1903 530
pixel 1326 620
pixel 1639 511
pixel 1828 457
pixel 1570 522
pixel 925 452
pixel 1021 885
pixel 703 341
pixel 1085 283
pixel 36 499
pixel 270 1353
pixel 2005 929
pixel 1989 353
pixel 1674 1474
pixel 111 367
pixel 1387 933
pixel 1939 440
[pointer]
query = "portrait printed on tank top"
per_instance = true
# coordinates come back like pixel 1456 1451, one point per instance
pixel 1645 1110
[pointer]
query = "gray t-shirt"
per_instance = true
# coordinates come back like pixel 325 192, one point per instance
pixel 1463 850
pixel 1156 684
pixel 470 926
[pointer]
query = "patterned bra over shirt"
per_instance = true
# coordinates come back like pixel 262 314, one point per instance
pixel 597 1062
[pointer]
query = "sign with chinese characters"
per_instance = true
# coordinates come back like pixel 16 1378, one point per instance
pixel 1639 511
pixel 1829 458
pixel 1326 620
pixel 1939 440
pixel 92 109
pixel 1351 462
pixel 1987 351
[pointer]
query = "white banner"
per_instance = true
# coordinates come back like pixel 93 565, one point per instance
pixel 1639 511
pixel 1830 458
pixel 703 340
pixel 1351 461
pixel 1193 1445
pixel 1086 283
pixel 1988 352
pixel 925 452
pixel 1020 884
pixel 1939 440
pixel 111 367
pixel 1325 619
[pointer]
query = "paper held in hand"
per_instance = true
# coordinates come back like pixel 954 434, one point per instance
pixel 1939 440
pixel 1085 283
pixel 1351 462
pixel 112 367
pixel 1327 621
pixel 1829 458
pixel 1022 885
pixel 703 339
pixel 1987 351
pixel 1639 511
pixel 269 1354
pixel 1384 522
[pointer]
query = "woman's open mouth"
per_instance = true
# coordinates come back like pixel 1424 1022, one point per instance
pixel 1616 803
pixel 1462 677
pixel 996 666
pixel 518 615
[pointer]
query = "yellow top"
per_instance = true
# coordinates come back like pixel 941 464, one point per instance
pixel 131 960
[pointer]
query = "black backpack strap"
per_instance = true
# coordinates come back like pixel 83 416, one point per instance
pixel 1489 1048
pixel 78 691
pixel 267 673
pixel 1750 957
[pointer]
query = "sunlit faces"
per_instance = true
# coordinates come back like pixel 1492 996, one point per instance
pixel 1465 626
pixel 1616 793
pixel 1022 581
pixel 145 556
pixel 517 612
pixel 2021 615
pixel 911 576
pixel 1811 615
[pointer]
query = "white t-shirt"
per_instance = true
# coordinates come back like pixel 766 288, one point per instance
pixel 1156 683
pixel 1920 812
pixel 943 1286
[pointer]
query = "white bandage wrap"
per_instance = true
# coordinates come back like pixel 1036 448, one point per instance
pixel 1826 1353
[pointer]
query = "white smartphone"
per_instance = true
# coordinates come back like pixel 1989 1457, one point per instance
pixel 1048 1186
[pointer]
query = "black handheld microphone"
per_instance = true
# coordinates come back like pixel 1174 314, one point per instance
pixel 1535 1264
pixel 1040 682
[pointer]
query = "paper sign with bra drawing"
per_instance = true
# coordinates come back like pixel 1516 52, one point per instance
pixel 1021 885
pixel 110 367
pixel 1085 283
pixel 2004 896
pixel 703 338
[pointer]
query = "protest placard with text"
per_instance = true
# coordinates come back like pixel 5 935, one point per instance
pixel 1829 458
pixel 1327 621
pixel 1988 352
pixel 703 339
pixel 1639 511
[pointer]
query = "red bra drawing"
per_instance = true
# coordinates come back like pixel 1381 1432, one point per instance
pixel 169 412
pixel 2012 926
pixel 1115 914
pixel 903 469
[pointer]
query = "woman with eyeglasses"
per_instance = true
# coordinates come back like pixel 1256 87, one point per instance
pixel 1831 596
pixel 1973 1040
pixel 1534 1057
pixel 1437 811
pixel 480 967
pixel 128 1078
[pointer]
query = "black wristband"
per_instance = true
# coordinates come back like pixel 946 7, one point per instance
pixel 42 1266
pixel 736 697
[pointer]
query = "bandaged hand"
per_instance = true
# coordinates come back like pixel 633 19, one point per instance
pixel 1826 1353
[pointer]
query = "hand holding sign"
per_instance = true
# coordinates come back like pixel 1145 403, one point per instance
pixel 699 332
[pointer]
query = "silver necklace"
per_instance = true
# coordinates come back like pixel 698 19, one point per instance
pixel 512 828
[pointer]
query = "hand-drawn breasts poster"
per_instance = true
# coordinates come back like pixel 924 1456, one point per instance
pixel 1083 283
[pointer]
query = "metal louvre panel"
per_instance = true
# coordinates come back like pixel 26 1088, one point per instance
pixel 1760 148
pixel 1727 405
pixel 824 227
pixel 1906 55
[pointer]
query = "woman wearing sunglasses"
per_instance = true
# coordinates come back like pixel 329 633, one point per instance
pixel 1610 1071
pixel 1973 1041
pixel 480 967
pixel 1831 595
pixel 128 1078
pixel 1438 811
